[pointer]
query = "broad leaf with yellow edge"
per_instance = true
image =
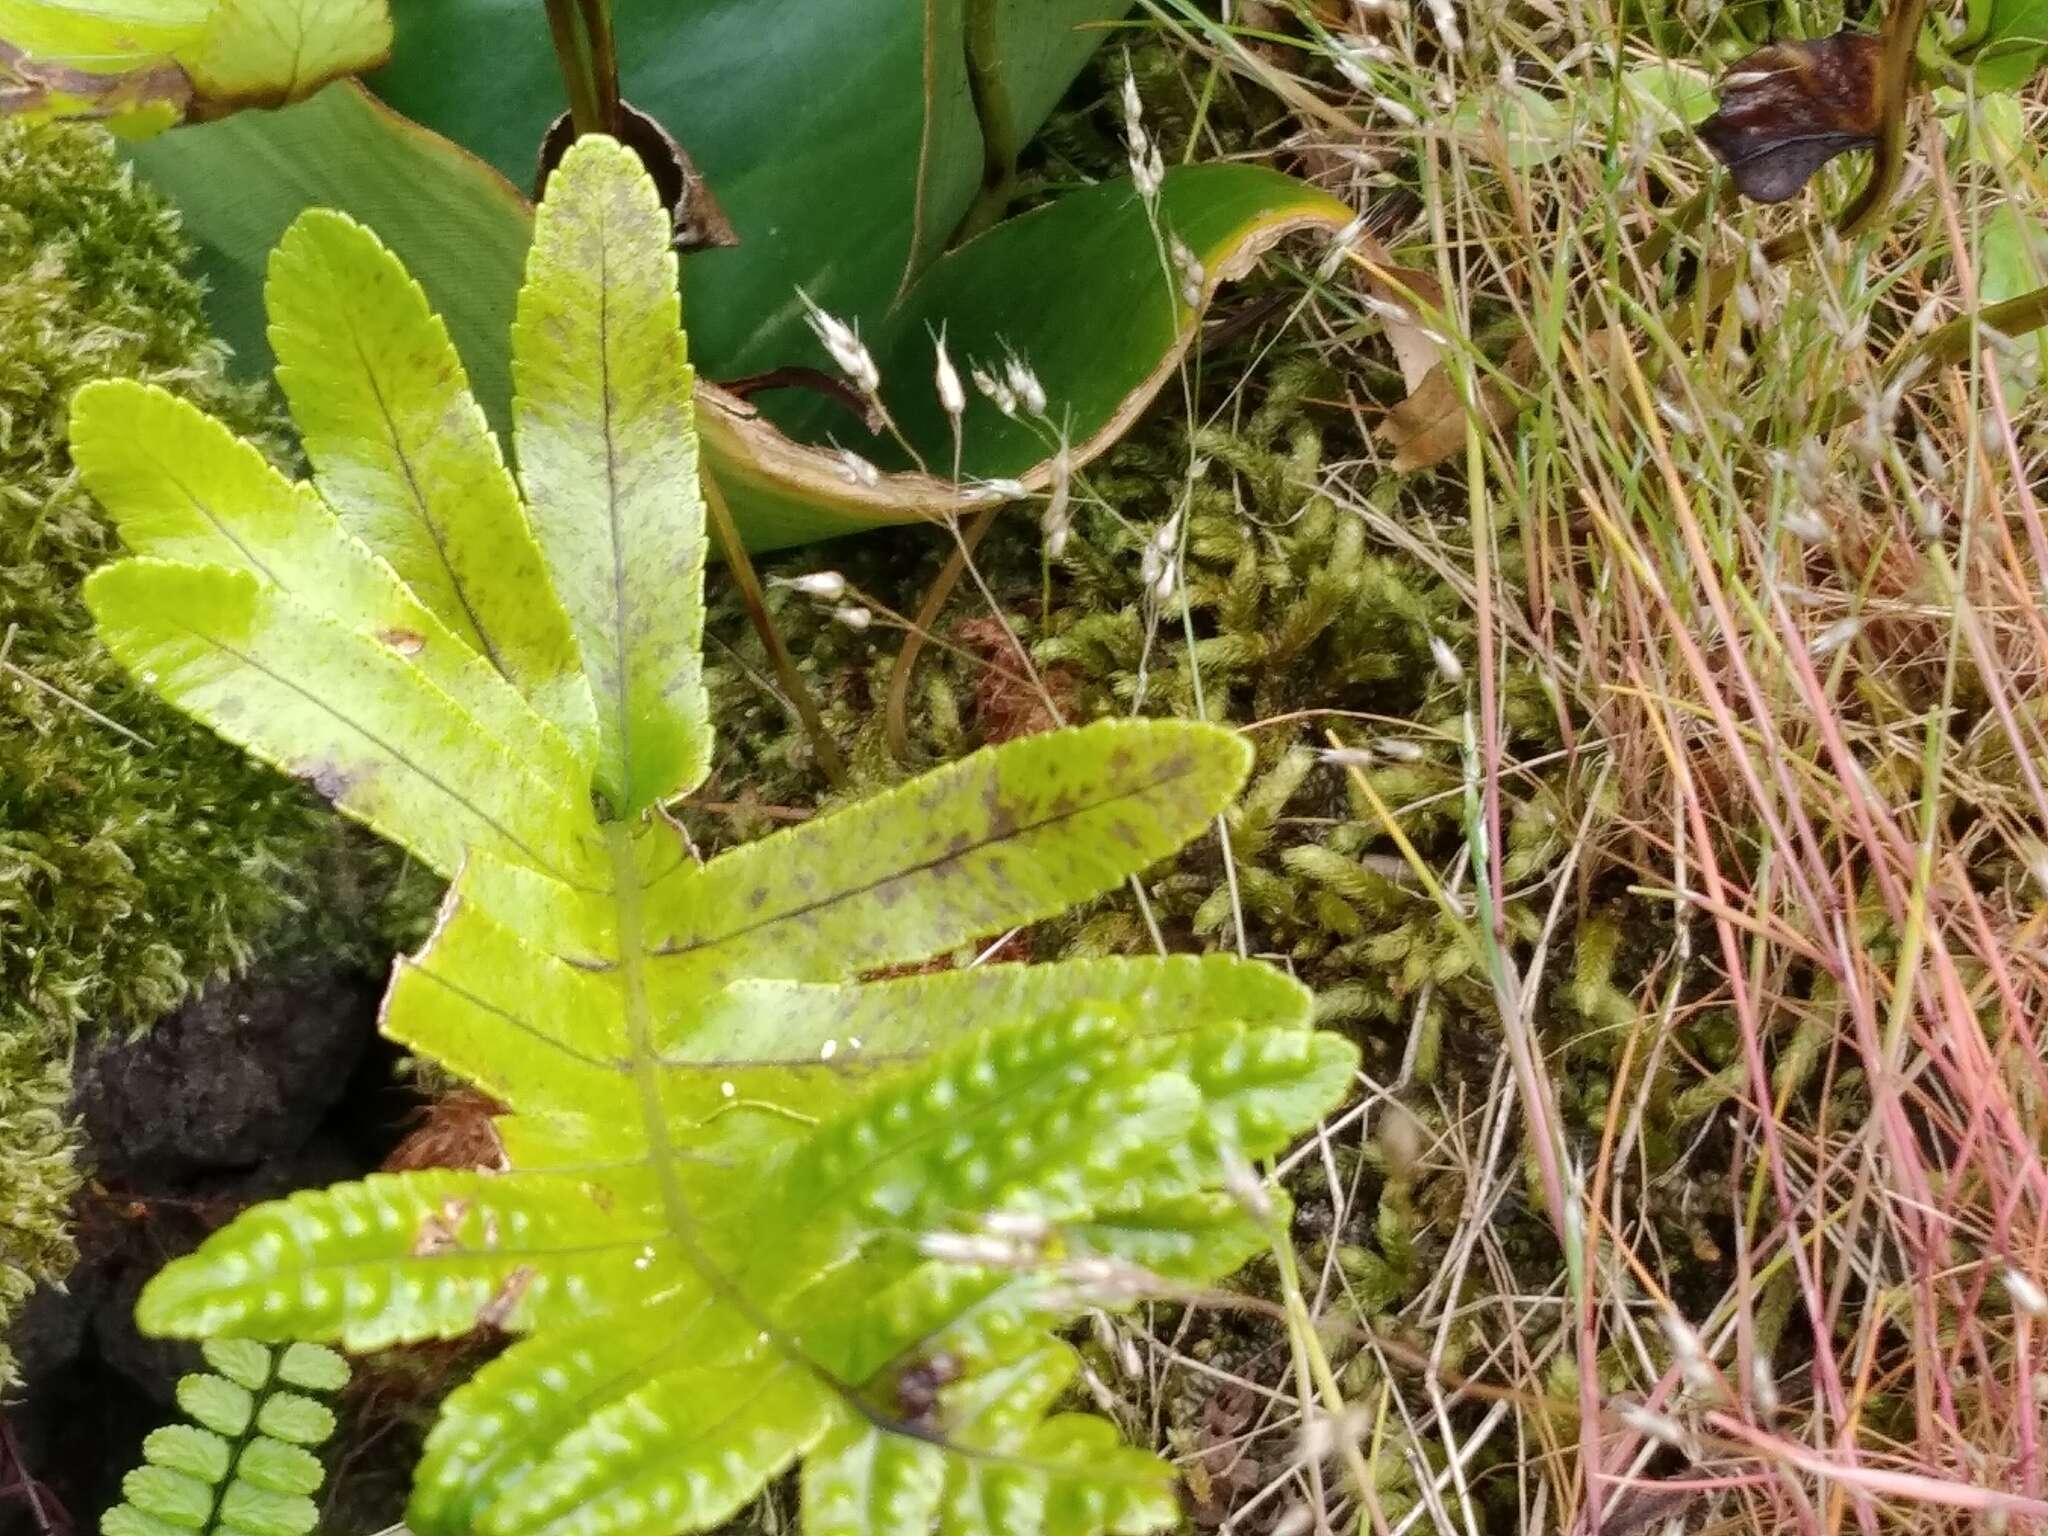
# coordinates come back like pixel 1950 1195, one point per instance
pixel 142 65
pixel 865 199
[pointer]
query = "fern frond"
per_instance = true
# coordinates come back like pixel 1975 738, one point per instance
pixel 1004 838
pixel 754 1210
pixel 246 1466
pixel 1003 1467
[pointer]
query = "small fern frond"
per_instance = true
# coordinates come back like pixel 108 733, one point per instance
pixel 246 1465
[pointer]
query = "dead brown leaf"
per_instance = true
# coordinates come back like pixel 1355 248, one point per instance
pixel 1399 291
pixel 1222 1471
pixel 1788 109
pixel 1006 705
pixel 1429 426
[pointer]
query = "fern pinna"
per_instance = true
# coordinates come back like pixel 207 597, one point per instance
pixel 245 1465
pixel 752 1211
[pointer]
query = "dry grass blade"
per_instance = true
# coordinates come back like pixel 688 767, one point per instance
pixel 1788 596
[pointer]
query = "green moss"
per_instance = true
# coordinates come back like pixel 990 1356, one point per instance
pixel 132 867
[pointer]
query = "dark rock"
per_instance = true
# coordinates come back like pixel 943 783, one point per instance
pixel 148 1367
pixel 238 1076
pixel 50 1329
pixel 170 1229
pixel 255 1089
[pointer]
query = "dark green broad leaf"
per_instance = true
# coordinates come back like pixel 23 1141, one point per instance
pixel 853 198
pixel 841 140
pixel 461 231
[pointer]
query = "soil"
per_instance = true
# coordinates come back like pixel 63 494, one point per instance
pixel 255 1088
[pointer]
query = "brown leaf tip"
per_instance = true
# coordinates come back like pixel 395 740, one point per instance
pixel 1789 108
pixel 699 223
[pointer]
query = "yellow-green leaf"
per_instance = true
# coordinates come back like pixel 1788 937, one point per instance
pixel 535 1034
pixel 397 1258
pixel 107 35
pixel 608 457
pixel 144 64
pixel 402 453
pixel 1010 835
pixel 180 486
pixel 265 52
pixel 340 709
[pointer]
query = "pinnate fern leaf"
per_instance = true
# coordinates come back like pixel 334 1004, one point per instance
pixel 247 1465
pixel 181 487
pixel 753 1210
pixel 402 453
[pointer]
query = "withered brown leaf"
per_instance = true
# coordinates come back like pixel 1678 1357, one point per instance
pixel 1789 108
pixel 39 88
pixel 1428 428
pixel 700 224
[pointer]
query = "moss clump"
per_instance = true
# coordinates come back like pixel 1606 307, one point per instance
pixel 129 873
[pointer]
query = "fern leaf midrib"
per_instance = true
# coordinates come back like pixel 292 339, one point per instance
pixel 455 1255
pixel 398 754
pixel 1024 1087
pixel 661 1152
pixel 420 967
pixel 221 527
pixel 596 1394
pixel 621 689
pixel 632 965
pixel 478 636
pixel 678 950
pixel 241 1443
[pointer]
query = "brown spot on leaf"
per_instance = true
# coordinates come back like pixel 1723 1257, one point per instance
pixel 329 778
pixel 999 816
pixel 437 1229
pixel 918 1387
pixel 494 1312
pixel 407 642
pixel 1789 108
